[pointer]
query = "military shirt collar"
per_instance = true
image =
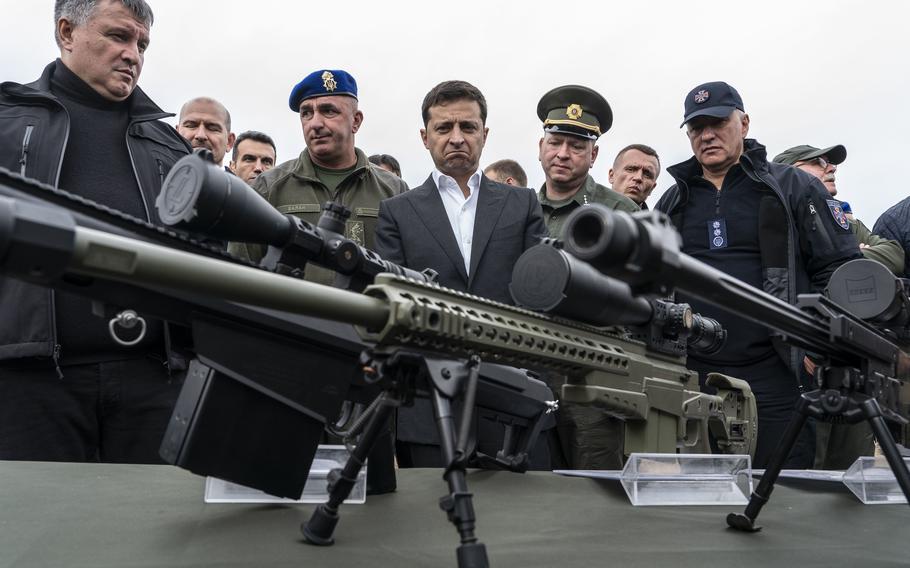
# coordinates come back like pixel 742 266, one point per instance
pixel 583 196
pixel 306 169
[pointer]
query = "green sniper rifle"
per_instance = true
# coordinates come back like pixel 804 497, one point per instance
pixel 641 379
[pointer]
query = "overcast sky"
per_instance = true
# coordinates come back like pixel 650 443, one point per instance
pixel 816 72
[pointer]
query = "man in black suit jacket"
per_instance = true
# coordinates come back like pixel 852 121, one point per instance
pixel 471 230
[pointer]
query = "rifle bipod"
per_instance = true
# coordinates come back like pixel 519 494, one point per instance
pixel 445 379
pixel 824 405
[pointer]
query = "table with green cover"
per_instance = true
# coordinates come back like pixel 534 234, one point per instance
pixel 131 516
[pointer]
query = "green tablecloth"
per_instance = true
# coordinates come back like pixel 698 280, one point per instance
pixel 129 516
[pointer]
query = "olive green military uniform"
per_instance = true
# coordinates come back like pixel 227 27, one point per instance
pixel 587 437
pixel 295 187
pixel 883 250
pixel 555 212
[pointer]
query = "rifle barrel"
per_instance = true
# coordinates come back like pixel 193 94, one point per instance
pixel 104 255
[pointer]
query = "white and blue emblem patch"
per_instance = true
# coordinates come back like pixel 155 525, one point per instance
pixel 837 211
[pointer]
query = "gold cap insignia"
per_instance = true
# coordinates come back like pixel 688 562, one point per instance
pixel 574 112
pixel 328 81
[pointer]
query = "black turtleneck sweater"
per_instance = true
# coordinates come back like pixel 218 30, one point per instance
pixel 97 166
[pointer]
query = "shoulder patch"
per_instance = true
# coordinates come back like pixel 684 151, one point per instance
pixel 837 211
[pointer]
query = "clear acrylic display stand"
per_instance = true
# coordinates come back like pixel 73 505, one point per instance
pixel 873 482
pixel 328 457
pixel 687 479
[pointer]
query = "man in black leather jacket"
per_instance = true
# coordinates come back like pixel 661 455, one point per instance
pixel 68 391
pixel 767 224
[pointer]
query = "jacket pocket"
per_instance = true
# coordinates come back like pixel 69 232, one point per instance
pixel 366 212
pixel 161 135
pixel 776 282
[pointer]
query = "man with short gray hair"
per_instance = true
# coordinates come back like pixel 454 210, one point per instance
pixel 765 224
pixel 68 391
pixel 823 163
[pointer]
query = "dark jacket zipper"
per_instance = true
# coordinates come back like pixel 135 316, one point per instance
pixel 55 338
pixel 23 158
pixel 129 150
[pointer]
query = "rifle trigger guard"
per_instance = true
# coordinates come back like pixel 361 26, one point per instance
pixel 127 319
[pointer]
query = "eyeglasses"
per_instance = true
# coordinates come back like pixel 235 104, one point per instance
pixel 822 163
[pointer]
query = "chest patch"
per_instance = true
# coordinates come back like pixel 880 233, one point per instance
pixel 355 232
pixel 837 211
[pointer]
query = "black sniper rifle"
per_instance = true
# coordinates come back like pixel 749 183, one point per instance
pixel 424 339
pixel 862 371
pixel 265 380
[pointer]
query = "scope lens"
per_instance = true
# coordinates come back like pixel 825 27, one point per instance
pixel 707 336
pixel 586 232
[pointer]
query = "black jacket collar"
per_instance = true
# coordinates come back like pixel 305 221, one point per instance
pixel 141 107
pixel 754 159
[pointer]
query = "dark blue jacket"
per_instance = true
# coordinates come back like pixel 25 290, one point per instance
pixel 800 239
pixel 894 224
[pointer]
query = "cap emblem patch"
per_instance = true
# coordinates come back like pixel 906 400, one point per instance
pixel 328 81
pixel 574 111
pixel 702 96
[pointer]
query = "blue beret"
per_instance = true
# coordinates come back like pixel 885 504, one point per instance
pixel 322 83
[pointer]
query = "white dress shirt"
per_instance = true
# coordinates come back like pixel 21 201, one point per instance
pixel 460 210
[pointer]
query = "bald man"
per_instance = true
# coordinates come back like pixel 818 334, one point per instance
pixel 206 123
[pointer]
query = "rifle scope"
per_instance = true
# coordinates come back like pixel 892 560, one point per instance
pixel 201 197
pixel 547 279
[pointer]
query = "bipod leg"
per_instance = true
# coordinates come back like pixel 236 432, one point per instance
pixel 318 530
pixel 873 413
pixel 457 504
pixel 761 495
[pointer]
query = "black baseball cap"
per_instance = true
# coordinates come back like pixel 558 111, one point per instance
pixel 716 99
